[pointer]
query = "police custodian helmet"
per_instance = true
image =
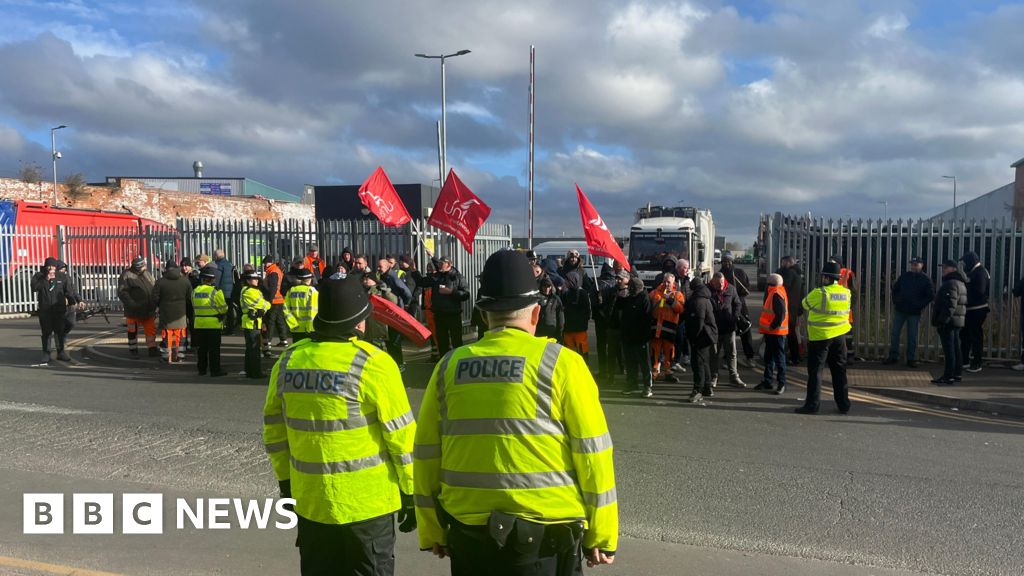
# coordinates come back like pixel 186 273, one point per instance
pixel 507 283
pixel 832 269
pixel 344 303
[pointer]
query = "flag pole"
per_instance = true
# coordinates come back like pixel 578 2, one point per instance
pixel 529 209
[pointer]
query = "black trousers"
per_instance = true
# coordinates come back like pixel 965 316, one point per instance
pixel 793 338
pixel 972 337
pixel 276 324
pixel 394 346
pixel 615 363
pixel 232 318
pixel 449 331
pixel 833 353
pixel 637 357
pixel 747 338
pixel 253 354
pixel 474 552
pixel 207 344
pixel 364 548
pixel 601 330
pixel 296 336
pixel 53 322
pixel 700 362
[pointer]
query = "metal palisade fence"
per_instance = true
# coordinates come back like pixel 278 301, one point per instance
pixel 879 251
pixel 247 241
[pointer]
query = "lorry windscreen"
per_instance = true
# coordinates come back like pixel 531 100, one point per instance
pixel 648 251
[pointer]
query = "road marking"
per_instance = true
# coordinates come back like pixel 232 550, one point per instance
pixel 39 408
pixel 51 568
pixel 83 340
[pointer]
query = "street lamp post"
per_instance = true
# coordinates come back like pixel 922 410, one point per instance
pixel 55 156
pixel 953 178
pixel 444 115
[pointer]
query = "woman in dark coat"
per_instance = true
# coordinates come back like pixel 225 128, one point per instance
pixel 635 313
pixel 702 334
pixel 171 295
pixel 949 312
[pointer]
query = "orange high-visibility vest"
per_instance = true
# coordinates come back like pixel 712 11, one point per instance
pixel 275 269
pixel 845 277
pixel 768 313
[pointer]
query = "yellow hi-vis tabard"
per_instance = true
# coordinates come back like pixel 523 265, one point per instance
pixel 828 312
pixel 209 304
pixel 337 423
pixel 302 303
pixel 512 423
pixel 252 299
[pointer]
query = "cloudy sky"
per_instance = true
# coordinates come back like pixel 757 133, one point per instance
pixel 740 107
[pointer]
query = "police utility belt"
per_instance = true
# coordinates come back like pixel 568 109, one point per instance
pixel 526 537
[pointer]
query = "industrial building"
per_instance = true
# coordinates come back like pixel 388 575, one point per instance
pixel 1003 202
pixel 342 202
pixel 208 186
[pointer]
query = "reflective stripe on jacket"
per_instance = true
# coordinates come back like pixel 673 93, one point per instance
pixel 513 423
pixel 828 312
pixel 252 299
pixel 209 304
pixel 768 313
pixel 337 423
pixel 302 303
pixel 666 312
pixel 274 270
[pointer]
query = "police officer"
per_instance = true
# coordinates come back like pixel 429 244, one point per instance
pixel 339 432
pixel 254 307
pixel 301 303
pixel 513 460
pixel 828 321
pixel 210 308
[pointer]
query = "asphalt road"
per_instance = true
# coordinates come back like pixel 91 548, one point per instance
pixel 740 485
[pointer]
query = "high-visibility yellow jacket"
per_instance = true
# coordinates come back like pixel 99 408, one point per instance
pixel 513 423
pixel 209 304
pixel 828 312
pixel 252 299
pixel 337 423
pixel 301 303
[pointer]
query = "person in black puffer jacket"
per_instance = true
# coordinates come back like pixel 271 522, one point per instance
pixel 552 317
pixel 972 337
pixel 727 312
pixel 633 312
pixel 702 334
pixel 576 303
pixel 949 314
pixel 448 292
pixel 911 294
pixel 611 298
pixel 55 296
pixel 171 295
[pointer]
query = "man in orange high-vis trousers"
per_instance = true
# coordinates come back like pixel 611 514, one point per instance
pixel 667 301
pixel 774 326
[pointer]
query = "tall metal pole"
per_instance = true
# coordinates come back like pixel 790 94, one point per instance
pixel 953 178
pixel 440 158
pixel 53 154
pixel 529 209
pixel 444 128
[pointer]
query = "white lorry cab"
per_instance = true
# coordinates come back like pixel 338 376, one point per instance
pixel 661 232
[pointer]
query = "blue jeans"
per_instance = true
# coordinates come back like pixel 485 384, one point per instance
pixel 950 338
pixel 912 321
pixel 774 359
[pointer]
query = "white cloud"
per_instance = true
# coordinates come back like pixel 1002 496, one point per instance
pixel 888 26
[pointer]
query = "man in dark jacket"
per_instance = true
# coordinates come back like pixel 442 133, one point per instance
pixel 405 267
pixel 55 296
pixel 793 282
pixel 226 283
pixel 911 294
pixel 605 282
pixel 972 337
pixel 702 334
pixel 739 280
pixel 1018 291
pixel 448 292
pixel 949 312
pixel 171 295
pixel 611 298
pixel 552 316
pixel 727 309
pixel 576 304
pixel 135 290
pixel 634 315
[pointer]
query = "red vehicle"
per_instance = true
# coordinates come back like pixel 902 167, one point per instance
pixel 97 245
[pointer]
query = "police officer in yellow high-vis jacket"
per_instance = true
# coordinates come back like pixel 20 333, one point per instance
pixel 254 307
pixel 828 321
pixel 210 307
pixel 339 431
pixel 513 459
pixel 300 305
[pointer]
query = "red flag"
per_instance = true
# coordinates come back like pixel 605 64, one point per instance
pixel 600 241
pixel 387 312
pixel 379 195
pixel 459 212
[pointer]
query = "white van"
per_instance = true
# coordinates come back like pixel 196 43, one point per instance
pixel 558 249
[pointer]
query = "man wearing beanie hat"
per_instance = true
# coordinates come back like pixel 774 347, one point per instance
pixel 254 308
pixel 210 307
pixel 277 320
pixel 301 303
pixel 135 290
pixel 56 298
pixel 315 264
pixel 512 432
pixel 172 294
pixel 828 321
pixel 339 433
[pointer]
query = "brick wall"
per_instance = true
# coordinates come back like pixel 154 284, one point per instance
pixel 158 205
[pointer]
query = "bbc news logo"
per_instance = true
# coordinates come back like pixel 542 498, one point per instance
pixel 144 514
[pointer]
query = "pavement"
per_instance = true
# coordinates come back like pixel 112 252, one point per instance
pixel 736 485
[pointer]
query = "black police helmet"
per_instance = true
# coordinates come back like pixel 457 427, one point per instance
pixel 343 305
pixel 831 269
pixel 507 283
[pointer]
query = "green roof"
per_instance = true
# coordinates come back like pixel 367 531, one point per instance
pixel 254 188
